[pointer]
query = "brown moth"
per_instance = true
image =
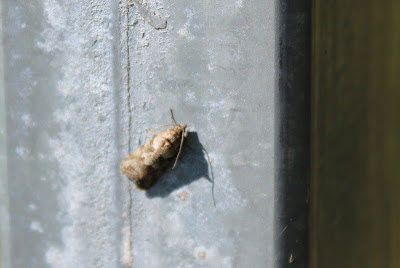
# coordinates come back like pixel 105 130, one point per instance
pixel 146 165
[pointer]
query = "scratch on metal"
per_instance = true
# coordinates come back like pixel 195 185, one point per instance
pixel 149 15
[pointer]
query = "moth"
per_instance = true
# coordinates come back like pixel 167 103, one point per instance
pixel 148 163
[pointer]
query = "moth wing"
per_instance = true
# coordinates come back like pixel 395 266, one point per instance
pixel 130 166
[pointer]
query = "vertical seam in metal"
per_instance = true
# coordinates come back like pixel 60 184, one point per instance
pixel 129 123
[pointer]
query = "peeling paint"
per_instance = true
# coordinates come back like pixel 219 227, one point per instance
pixel 150 16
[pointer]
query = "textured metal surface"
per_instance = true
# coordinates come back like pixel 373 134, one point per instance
pixel 59 78
pixel 203 66
pixel 83 80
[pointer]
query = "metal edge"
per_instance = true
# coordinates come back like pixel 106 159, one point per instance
pixel 293 134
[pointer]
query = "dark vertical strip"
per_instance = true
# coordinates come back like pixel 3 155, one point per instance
pixel 292 135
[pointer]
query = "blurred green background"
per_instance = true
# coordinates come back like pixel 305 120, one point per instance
pixel 355 128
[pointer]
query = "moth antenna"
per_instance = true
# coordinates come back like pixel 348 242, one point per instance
pixel 174 123
pixel 180 148
pixel 151 131
pixel 212 175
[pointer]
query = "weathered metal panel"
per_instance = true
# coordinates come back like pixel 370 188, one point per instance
pixel 84 80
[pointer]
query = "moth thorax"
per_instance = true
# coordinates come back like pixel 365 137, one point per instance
pixel 169 135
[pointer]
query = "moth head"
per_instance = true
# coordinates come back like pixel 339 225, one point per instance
pixel 182 127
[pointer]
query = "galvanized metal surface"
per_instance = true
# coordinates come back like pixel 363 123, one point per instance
pixel 84 80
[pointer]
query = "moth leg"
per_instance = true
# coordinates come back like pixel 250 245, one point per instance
pixel 180 149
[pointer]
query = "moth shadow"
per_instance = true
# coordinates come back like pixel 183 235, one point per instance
pixel 193 164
